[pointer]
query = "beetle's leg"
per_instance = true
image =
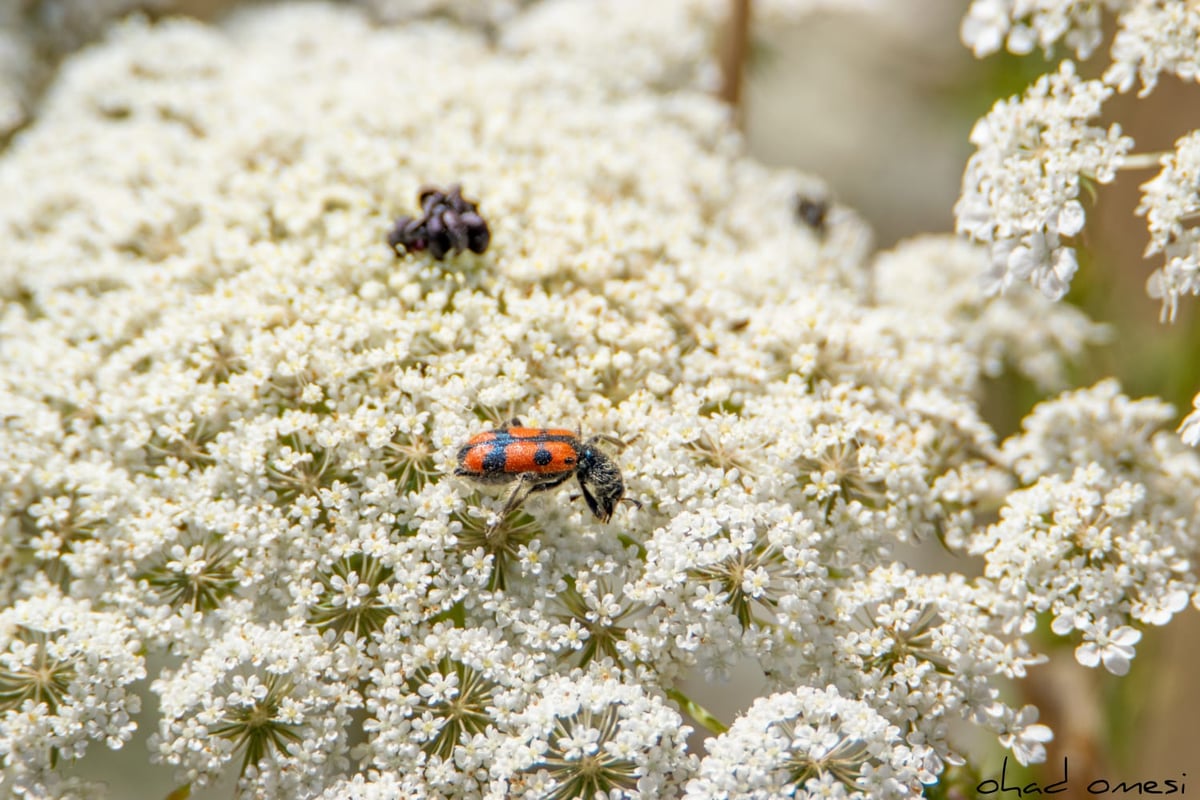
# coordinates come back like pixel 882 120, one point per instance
pixel 520 491
pixel 550 483
pixel 527 484
pixel 620 444
pixel 592 505
pixel 591 502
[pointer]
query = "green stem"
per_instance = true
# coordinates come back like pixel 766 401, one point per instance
pixel 629 541
pixel 697 712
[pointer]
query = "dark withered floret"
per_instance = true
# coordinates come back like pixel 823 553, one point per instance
pixel 450 224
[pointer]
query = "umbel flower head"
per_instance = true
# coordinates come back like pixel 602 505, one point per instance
pixel 65 673
pixel 232 414
pixel 809 743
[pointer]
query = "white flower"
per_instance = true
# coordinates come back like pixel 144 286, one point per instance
pixel 437 705
pixel 376 785
pixel 1021 733
pixel 266 696
pixel 1021 187
pixel 232 416
pixel 1114 648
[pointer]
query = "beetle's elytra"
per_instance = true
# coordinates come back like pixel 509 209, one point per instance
pixel 539 459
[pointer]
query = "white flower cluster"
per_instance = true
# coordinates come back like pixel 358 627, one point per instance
pixel 34 34
pixel 65 676
pixel 589 734
pixel 1103 538
pixel 1153 37
pixel 232 415
pixel 1023 25
pixel 275 697
pixel 810 743
pixel 1021 187
pixel 1170 203
pixel 442 706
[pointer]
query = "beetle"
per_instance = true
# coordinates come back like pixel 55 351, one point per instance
pixel 540 459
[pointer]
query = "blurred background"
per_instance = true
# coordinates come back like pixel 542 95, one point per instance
pixel 879 105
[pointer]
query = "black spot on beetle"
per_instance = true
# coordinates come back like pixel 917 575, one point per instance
pixel 495 460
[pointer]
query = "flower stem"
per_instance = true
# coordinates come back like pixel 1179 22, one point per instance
pixel 1142 161
pixel 699 713
pixel 734 50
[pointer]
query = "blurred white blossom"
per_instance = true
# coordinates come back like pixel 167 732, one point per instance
pixel 940 278
pixel 67 24
pixel 1189 429
pixel 1153 37
pixel 1021 26
pixel 1170 203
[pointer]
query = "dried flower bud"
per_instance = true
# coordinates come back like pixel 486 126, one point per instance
pixel 451 224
